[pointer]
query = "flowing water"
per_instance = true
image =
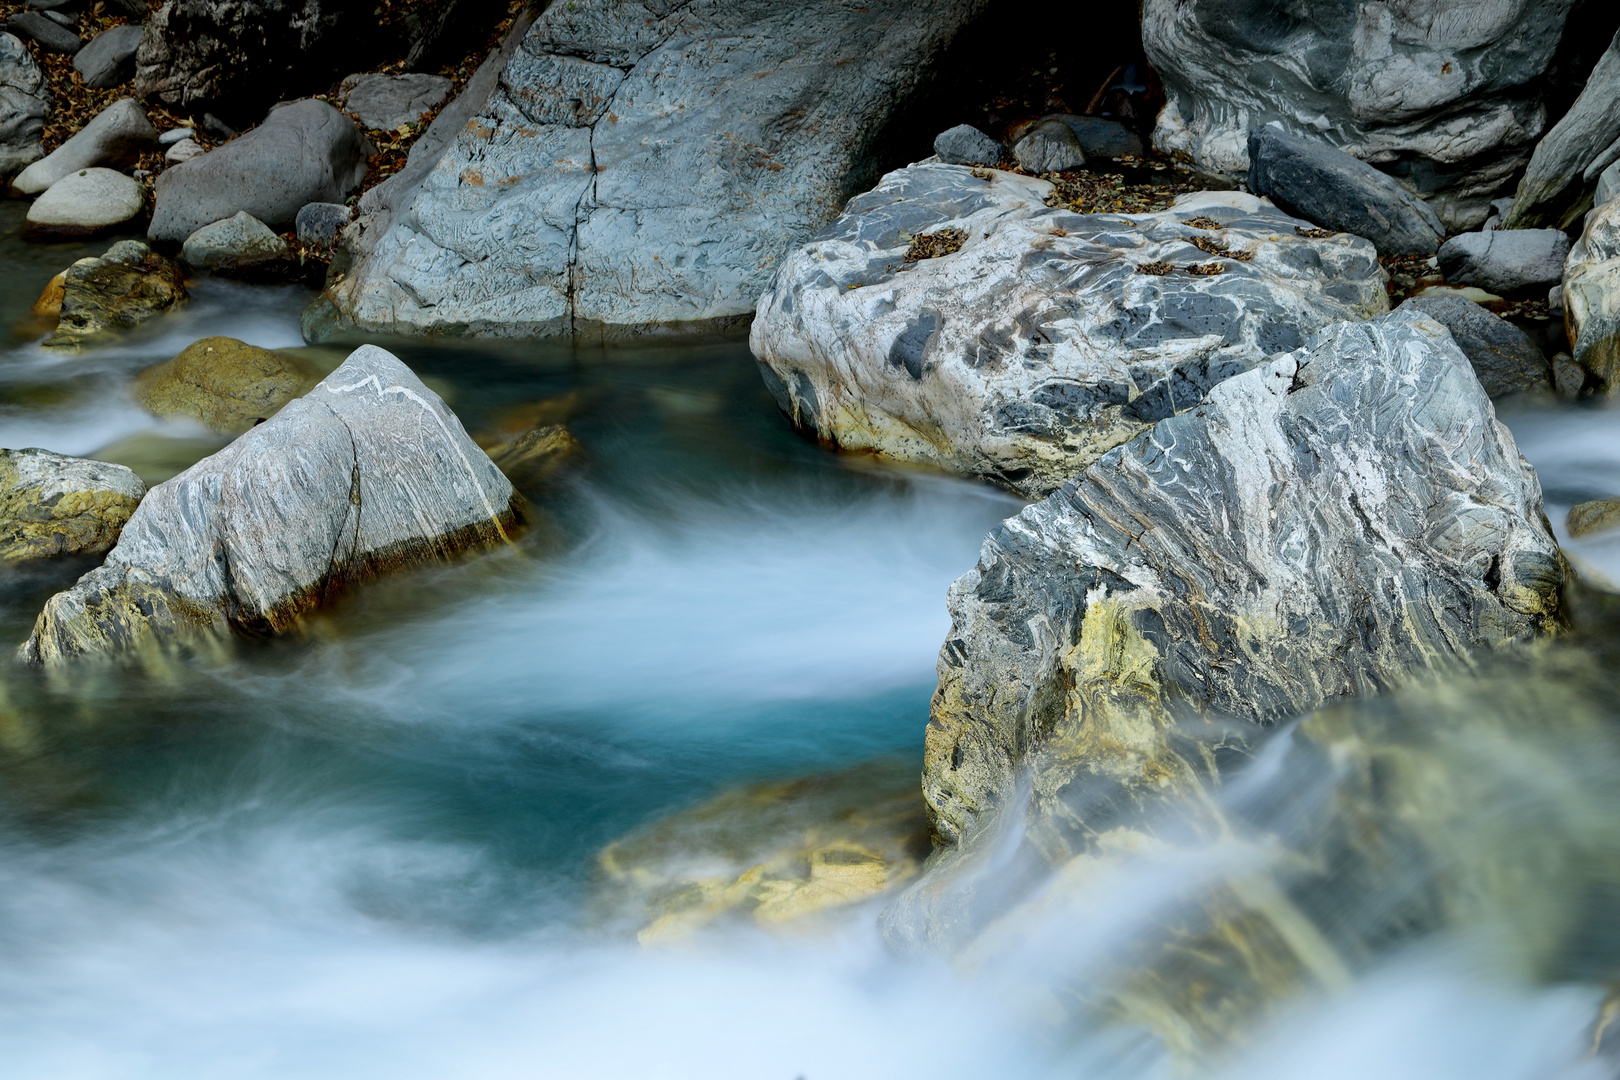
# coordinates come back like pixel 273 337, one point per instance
pixel 369 849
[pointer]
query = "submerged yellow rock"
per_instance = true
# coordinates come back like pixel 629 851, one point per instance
pixel 227 384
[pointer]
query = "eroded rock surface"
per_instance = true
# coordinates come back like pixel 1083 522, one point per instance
pixel 1568 162
pixel 368 472
pixel 1328 524
pixel 117 291
pixel 1049 337
pixel 1504 358
pixel 1592 297
pixel 56 505
pixel 227 384
pixel 25 98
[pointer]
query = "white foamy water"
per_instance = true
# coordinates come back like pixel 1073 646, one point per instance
pixel 1576 453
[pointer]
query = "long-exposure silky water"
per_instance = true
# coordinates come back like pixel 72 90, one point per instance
pixel 413 839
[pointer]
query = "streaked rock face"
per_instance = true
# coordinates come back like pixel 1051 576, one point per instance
pixel 56 505
pixel 25 98
pixel 1049 337
pixel 1328 524
pixel 1592 297
pixel 368 472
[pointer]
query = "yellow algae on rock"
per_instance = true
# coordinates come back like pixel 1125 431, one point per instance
pixel 56 505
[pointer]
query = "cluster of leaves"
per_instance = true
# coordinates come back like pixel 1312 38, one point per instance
pixel 1110 193
pixel 1211 246
pixel 933 245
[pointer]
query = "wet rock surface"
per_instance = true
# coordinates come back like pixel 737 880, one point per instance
pixel 1049 337
pixel 227 384
pixel 51 504
pixel 1332 523
pixel 1503 356
pixel 24 101
pixel 117 291
pixel 367 472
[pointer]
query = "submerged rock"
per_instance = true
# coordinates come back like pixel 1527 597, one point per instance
pixel 25 98
pixel 1049 337
pixel 368 472
pixel 56 505
pixel 118 291
pixel 1331 523
pixel 114 137
pixel 1589 518
pixel 535 454
pixel 1503 356
pixel 1568 161
pixel 227 384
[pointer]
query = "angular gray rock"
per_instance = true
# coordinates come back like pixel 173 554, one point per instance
pixel 25 98
pixel 240 237
pixel 109 59
pixel 1332 523
pixel 320 223
pixel 1333 189
pixel 45 32
pixel 965 144
pixel 1445 93
pixel 1503 356
pixel 641 166
pixel 114 137
pixel 304 152
pixel 1592 297
pixel 86 203
pixel 56 505
pixel 1566 161
pixel 1049 146
pixel 1506 261
pixel 388 101
pixel 368 472
pixel 1049 337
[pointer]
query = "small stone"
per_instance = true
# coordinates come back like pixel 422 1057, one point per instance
pixel 227 384
pixel 319 223
pixel 56 505
pixel 965 144
pixel 1599 515
pixel 1555 298
pixel 174 135
pixel 216 127
pixel 238 238
pixel 119 291
pixel 109 59
pixel 115 137
pixel 47 33
pixel 61 19
pixel 386 102
pixel 1569 378
pixel 184 150
pixel 1506 261
pixel 1049 147
pixel 88 202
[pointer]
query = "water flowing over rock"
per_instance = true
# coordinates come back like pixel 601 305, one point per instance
pixel 1446 94
pixel 1575 152
pixel 642 165
pixel 24 100
pixel 56 505
pixel 1329 524
pixel 118 291
pixel 1049 337
pixel 368 472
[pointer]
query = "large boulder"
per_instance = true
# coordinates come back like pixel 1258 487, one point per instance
pixel 389 101
pixel 86 203
pixel 56 505
pixel 1569 160
pixel 25 98
pixel 1506 261
pixel 114 137
pixel 1446 94
pixel 1592 297
pixel 1504 358
pixel 227 384
pixel 117 291
pixel 109 59
pixel 1047 337
pixel 1339 520
pixel 304 152
pixel 642 165
pixel 1322 184
pixel 368 472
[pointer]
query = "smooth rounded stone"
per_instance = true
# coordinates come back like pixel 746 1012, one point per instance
pixel 1322 184
pixel 45 32
pixel 227 384
pixel 303 152
pixel 183 150
pixel 1049 146
pixel 1448 93
pixel 109 59
pixel 1049 337
pixel 320 223
pixel 1502 355
pixel 86 203
pixel 114 137
pixel 56 505
pixel 1592 297
pixel 540 216
pixel 62 19
pixel 1589 518
pixel 123 288
pixel 239 237
pixel 25 98
pixel 965 144
pixel 1202 574
pixel 1099 136
pixel 174 135
pixel 367 473
pixel 1506 261
pixel 388 102
pixel 1570 157
pixel 49 304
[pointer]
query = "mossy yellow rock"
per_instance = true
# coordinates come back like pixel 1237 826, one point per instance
pixel 55 505
pixel 227 384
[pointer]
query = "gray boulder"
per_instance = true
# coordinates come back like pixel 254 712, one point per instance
pixel 237 238
pixel 735 132
pixel 388 101
pixel 1049 146
pixel 1506 261
pixel 303 152
pixel 367 473
pixel 1608 185
pixel 1568 161
pixel 965 144
pixel 114 137
pixel 1592 297
pixel 1100 137
pixel 1447 94
pixel 1333 189
pixel 1503 356
pixel 56 505
pixel 1048 337
pixel 85 203
pixel 25 98
pixel 109 59
pixel 1337 521
pixel 320 223
pixel 45 32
